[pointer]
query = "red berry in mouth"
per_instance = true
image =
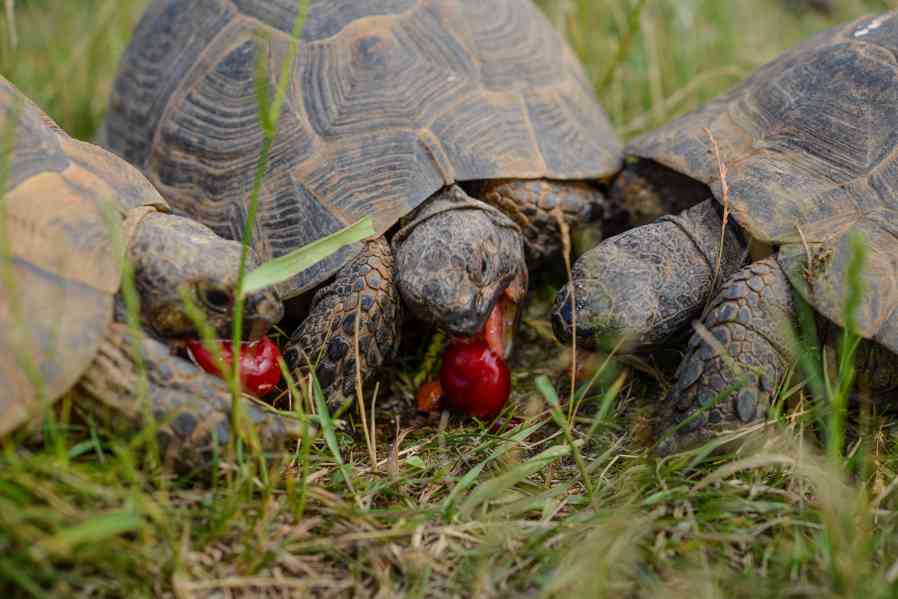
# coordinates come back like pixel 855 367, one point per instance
pixel 475 379
pixel 259 370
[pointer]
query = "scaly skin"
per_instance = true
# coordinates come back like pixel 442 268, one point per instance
pixel 192 407
pixel 455 258
pixel 643 285
pixel 750 319
pixel 363 289
pixel 531 203
pixel 169 253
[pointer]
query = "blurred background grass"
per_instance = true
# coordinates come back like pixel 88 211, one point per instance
pixel 456 512
pixel 680 52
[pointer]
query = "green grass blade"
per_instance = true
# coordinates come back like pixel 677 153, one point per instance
pixel 330 436
pixel 284 267
pixel 847 347
pixel 96 530
pixel 299 502
pixel 269 126
pixel 491 489
pixel 548 391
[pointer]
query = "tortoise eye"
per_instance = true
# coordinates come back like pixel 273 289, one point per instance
pixel 216 298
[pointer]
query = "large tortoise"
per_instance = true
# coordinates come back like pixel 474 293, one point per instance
pixel 61 316
pixel 390 103
pixel 809 145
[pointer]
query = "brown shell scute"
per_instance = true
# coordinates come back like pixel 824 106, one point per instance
pixel 810 142
pixel 62 204
pixel 389 101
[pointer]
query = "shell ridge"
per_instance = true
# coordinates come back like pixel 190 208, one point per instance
pixel 183 89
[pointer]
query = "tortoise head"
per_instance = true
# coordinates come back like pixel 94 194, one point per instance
pixel 456 259
pixel 173 255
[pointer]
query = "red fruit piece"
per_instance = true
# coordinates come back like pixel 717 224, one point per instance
pixel 259 370
pixel 475 379
pixel 430 397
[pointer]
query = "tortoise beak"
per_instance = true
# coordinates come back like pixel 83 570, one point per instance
pixel 498 330
pixel 256 329
pixel 261 310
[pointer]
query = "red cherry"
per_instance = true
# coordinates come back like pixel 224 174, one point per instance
pixel 259 370
pixel 475 379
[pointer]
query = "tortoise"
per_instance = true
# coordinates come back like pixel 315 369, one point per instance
pixel 72 213
pixel 808 145
pixel 391 105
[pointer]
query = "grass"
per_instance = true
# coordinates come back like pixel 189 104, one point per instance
pixel 553 507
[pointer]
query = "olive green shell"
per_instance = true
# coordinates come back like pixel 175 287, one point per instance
pixel 59 269
pixel 388 101
pixel 810 145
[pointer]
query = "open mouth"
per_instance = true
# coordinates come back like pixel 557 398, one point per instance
pixel 498 332
pixel 499 329
pixel 259 368
pixel 474 378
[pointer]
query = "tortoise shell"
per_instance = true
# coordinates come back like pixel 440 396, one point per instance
pixel 388 101
pixel 810 145
pixel 59 265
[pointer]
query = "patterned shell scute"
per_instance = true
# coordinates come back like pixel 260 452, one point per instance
pixel 62 204
pixel 388 101
pixel 810 143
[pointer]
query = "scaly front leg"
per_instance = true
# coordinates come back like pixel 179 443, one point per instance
pixel 193 408
pixel 363 289
pixel 536 204
pixel 728 380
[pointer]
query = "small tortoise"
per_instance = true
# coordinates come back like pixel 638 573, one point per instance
pixel 61 314
pixel 809 145
pixel 390 104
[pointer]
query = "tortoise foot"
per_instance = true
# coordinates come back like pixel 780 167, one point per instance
pixel 536 204
pixel 192 409
pixel 361 305
pixel 734 364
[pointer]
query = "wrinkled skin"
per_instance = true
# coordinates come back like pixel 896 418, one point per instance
pixel 656 279
pixel 450 263
pixel 171 254
pixel 642 286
